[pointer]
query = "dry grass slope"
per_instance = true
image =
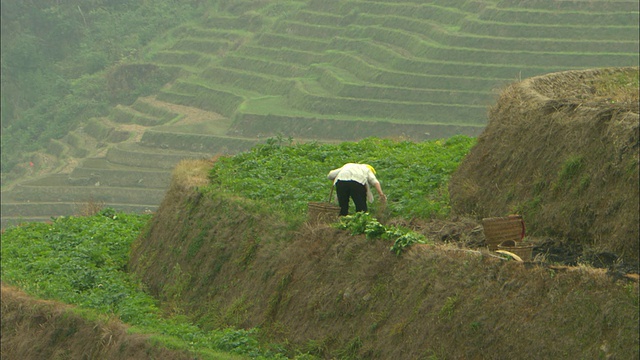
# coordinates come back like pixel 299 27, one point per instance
pixel 37 329
pixel 562 150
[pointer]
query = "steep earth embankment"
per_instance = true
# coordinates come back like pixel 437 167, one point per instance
pixel 38 329
pixel 225 261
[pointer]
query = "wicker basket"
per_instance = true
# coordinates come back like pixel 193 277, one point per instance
pixel 499 229
pixel 322 212
pixel 524 251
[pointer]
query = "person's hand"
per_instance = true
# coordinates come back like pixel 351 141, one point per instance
pixel 383 197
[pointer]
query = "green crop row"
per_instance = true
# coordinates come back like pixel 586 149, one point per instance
pixel 195 142
pixel 77 143
pixel 392 59
pixel 430 50
pixel 458 4
pixel 307 29
pixel 470 40
pixel 275 40
pixel 530 16
pixel 41 209
pixel 202 97
pixel 267 85
pixel 120 178
pixel 294 56
pixel 146 108
pixel 229 22
pixel 326 6
pixel 86 193
pixel 57 147
pixel 427 112
pixel 367 72
pixel 335 85
pixel 319 18
pixel 98 129
pixel 127 115
pixel 178 58
pixel 190 30
pixel 151 158
pixel 555 31
pixel 612 6
pixel 437 13
pixel 209 46
pixel 258 65
pixel 526 58
pixel 329 127
pixel 47 210
pixel 401 39
pixel 176 97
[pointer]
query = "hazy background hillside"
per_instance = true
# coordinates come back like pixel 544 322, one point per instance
pixel 101 98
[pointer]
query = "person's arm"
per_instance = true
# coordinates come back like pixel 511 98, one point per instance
pixel 333 173
pixel 383 197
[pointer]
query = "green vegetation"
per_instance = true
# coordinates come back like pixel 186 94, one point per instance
pixel 287 176
pixel 364 223
pixel 82 261
pixel 84 62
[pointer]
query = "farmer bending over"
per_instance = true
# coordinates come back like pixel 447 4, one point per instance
pixel 354 181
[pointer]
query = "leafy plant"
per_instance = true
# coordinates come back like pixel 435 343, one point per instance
pixel 356 224
pixel 404 239
pixel 364 223
pixel 374 229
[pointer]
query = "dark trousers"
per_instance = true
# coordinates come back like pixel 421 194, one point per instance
pixel 353 190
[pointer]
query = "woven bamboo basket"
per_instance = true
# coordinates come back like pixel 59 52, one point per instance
pixel 322 212
pixel 524 251
pixel 499 229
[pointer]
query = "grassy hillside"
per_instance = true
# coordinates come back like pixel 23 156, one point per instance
pixel 336 295
pixel 92 305
pixel 226 268
pixel 232 265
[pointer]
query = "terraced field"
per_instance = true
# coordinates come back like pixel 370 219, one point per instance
pixel 123 165
pixel 321 70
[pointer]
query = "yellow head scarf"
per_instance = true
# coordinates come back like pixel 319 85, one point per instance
pixel 371 168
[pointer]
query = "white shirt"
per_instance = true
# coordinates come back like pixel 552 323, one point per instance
pixel 355 172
